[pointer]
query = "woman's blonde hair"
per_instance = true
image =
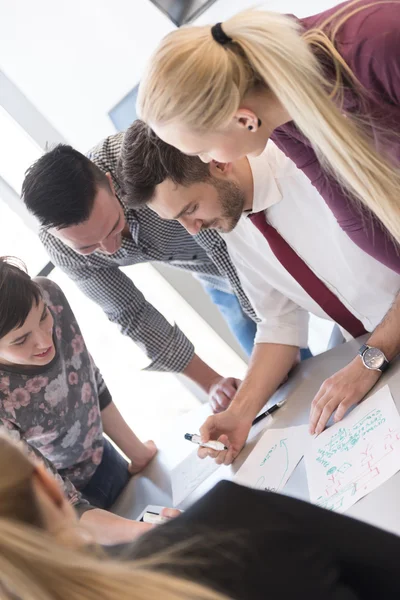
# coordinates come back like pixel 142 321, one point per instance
pixel 34 566
pixel 193 78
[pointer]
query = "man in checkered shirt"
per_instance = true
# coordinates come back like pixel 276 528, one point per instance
pixel 89 233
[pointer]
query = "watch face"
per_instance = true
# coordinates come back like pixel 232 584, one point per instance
pixel 373 358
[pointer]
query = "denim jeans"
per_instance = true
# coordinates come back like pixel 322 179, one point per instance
pixel 243 328
pixel 109 479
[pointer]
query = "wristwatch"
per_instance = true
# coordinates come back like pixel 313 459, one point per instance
pixel 373 358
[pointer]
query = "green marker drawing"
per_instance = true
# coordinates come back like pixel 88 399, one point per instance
pixel 282 443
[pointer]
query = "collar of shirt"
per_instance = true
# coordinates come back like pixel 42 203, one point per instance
pixel 266 191
pixel 132 221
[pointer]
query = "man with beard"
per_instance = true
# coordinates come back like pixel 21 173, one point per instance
pixel 90 234
pixel 292 258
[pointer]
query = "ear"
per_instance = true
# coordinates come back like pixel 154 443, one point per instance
pixel 57 514
pixel 247 119
pixel 219 168
pixel 48 486
pixel 110 181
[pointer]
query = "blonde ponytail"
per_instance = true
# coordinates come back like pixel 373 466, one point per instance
pixel 196 80
pixel 34 566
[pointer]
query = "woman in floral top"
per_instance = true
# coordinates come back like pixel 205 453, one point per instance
pixel 53 397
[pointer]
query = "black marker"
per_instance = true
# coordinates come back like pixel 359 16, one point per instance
pixel 268 412
pixel 154 518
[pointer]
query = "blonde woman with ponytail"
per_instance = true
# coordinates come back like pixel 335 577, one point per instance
pixel 235 543
pixel 325 89
pixel 42 546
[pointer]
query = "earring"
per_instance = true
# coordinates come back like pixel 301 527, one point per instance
pixel 259 123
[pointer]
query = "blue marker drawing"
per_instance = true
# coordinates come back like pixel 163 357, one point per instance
pixel 269 454
pixel 355 456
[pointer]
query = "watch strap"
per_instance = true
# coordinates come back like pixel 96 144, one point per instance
pixel 385 364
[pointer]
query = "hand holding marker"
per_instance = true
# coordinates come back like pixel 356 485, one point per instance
pixel 213 444
pixel 219 446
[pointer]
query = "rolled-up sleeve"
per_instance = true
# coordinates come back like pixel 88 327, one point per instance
pixel 165 345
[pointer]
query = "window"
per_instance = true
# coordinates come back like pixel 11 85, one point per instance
pixel 18 236
pixel 124 113
pixel 182 12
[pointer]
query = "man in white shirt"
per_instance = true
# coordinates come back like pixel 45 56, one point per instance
pixel 222 199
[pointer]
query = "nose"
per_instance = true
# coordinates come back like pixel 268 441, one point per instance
pixel 110 246
pixel 44 339
pixel 205 158
pixel 192 226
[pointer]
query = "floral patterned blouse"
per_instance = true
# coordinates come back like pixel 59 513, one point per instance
pixel 55 409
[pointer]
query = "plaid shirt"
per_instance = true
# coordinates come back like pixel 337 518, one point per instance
pixel 98 275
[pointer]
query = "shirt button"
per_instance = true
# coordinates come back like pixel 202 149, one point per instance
pixel 144 249
pixel 171 258
pixel 194 257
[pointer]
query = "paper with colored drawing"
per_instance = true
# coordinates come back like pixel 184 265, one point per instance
pixel 356 455
pixel 274 458
pixel 189 474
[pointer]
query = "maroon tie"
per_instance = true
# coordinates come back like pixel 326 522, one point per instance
pixel 310 283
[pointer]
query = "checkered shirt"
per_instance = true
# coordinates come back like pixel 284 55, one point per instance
pixel 153 240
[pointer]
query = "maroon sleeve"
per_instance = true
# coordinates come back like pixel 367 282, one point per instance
pixel 369 41
pixel 359 223
pixel 375 59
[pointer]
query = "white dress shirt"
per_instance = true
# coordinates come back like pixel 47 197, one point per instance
pixel 297 211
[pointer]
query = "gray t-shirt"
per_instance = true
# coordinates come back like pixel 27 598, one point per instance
pixel 55 409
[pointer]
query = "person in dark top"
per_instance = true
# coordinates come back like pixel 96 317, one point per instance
pixel 235 543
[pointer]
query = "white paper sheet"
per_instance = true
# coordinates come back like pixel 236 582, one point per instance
pixel 356 455
pixel 274 458
pixel 189 474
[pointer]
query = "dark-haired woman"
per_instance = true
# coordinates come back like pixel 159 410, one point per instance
pixel 53 397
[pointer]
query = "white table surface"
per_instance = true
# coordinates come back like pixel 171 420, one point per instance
pixel 153 486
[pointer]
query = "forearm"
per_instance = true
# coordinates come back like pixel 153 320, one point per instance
pixel 199 372
pixel 108 528
pixel 165 345
pixel 386 336
pixel 115 426
pixel 269 365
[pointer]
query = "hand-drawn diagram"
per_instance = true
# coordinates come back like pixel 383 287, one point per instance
pixel 352 458
pixel 274 458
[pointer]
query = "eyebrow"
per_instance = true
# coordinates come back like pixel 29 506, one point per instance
pixel 108 235
pixel 184 209
pixel 21 337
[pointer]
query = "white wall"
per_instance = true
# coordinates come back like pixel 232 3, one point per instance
pixel 223 9
pixel 75 60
